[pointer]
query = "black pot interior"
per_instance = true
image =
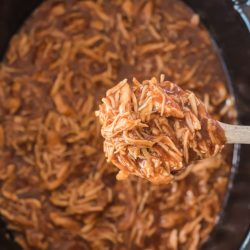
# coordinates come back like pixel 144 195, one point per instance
pixel 230 32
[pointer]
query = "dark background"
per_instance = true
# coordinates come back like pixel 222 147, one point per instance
pixel 229 24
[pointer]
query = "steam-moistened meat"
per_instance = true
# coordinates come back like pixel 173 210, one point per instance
pixel 155 129
pixel 57 191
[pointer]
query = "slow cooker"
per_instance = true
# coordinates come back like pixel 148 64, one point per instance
pixel 228 22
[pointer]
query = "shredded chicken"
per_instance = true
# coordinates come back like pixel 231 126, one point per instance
pixel 57 190
pixel 154 129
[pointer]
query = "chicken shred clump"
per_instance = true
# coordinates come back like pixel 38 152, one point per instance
pixel 154 129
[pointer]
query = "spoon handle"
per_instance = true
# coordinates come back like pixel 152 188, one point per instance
pixel 236 133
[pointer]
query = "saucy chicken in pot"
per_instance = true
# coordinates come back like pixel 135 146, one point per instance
pixel 57 190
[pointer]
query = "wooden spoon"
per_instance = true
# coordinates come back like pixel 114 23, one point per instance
pixel 236 133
